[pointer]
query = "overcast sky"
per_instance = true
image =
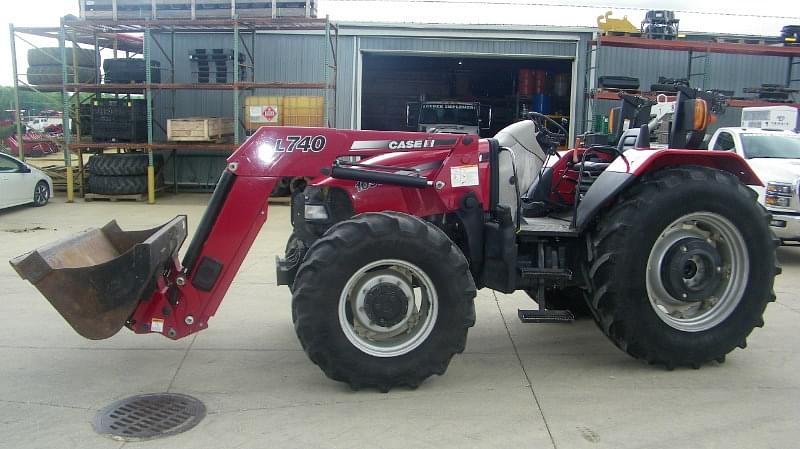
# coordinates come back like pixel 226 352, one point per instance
pixel 765 17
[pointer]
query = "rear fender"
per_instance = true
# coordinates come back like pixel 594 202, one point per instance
pixel 636 163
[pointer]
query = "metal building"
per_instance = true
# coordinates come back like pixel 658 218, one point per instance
pixel 294 56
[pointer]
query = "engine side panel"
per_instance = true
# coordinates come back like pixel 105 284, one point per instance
pixel 451 161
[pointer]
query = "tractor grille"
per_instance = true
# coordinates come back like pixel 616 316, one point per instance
pixel 149 416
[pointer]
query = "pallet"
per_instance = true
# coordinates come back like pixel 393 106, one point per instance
pixel 138 197
pixel 89 197
pixel 58 173
pixel 199 129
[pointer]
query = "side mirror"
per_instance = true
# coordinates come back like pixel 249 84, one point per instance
pixel 485 118
pixel 24 169
pixel 412 114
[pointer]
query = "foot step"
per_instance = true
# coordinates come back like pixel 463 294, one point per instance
pixel 545 316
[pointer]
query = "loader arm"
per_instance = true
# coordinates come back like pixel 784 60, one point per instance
pixel 177 298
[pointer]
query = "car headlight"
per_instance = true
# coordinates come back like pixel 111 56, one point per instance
pixel 780 188
pixel 779 193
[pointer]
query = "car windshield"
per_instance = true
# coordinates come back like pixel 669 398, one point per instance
pixel 448 113
pixel 771 146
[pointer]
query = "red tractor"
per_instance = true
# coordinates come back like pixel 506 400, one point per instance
pixel 666 249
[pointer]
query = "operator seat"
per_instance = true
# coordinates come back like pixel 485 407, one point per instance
pixel 519 162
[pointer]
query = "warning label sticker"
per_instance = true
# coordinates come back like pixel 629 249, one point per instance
pixel 156 325
pixel 264 114
pixel 464 175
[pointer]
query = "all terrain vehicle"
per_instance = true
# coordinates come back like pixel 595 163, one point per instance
pixel 667 249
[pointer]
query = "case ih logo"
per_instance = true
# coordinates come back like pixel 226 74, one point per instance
pixel 269 113
pixel 405 144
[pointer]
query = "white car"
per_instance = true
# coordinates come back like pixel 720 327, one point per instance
pixel 22 184
pixel 774 155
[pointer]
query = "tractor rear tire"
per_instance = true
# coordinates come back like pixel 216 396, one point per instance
pixel 355 301
pixel 682 267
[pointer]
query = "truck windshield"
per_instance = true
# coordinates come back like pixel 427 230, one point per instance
pixel 451 114
pixel 771 146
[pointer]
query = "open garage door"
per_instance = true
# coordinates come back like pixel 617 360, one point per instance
pixel 511 87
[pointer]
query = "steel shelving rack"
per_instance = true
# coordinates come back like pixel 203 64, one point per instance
pixel 123 35
pixel 698 52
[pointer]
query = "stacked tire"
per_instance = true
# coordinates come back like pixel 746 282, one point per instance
pixel 127 70
pixel 45 67
pixel 122 174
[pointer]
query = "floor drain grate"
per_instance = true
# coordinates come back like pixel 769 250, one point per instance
pixel 149 416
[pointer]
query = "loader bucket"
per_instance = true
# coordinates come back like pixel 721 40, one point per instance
pixel 95 279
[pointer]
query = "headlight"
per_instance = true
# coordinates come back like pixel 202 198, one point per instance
pixel 780 188
pixel 777 201
pixel 779 194
pixel 315 212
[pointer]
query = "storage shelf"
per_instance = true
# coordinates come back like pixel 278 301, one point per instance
pixel 734 103
pixel 712 47
pixel 136 36
pixel 142 87
pixel 153 146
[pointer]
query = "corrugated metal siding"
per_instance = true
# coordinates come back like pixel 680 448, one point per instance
pixel 299 58
pixel 278 58
pixel 468 46
pixel 725 71
pixel 346 81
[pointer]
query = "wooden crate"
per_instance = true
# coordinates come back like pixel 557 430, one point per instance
pixel 199 129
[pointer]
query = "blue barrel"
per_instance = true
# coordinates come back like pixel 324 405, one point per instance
pixel 541 103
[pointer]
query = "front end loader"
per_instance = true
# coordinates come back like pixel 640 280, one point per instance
pixel 666 249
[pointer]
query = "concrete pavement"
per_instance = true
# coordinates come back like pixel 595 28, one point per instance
pixel 517 385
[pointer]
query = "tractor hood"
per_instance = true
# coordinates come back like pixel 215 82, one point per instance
pixel 450 128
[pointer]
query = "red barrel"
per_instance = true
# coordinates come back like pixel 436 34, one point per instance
pixel 525 85
pixel 539 81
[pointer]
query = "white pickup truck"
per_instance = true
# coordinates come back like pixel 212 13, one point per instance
pixel 774 155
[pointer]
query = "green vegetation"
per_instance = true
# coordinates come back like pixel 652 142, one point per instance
pixel 30 101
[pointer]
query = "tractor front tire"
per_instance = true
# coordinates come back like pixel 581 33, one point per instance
pixel 383 300
pixel 682 267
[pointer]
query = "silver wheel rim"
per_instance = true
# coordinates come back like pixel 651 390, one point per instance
pixel 728 287
pixel 42 194
pixel 395 338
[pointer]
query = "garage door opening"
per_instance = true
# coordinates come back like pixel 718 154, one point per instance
pixel 510 87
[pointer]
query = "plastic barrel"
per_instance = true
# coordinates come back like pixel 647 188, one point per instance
pixel 561 85
pixel 539 81
pixel 525 84
pixel 541 103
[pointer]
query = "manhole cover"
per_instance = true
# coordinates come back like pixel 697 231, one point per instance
pixel 149 416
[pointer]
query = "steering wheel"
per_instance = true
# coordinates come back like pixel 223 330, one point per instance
pixel 549 140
